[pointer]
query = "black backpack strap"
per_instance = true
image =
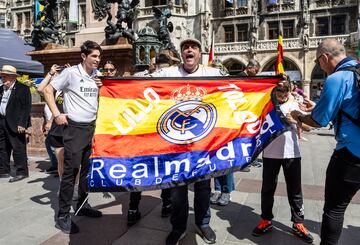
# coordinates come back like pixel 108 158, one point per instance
pixel 356 70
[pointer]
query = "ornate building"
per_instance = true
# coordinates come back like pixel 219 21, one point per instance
pixel 243 29
pixel 247 29
pixel 2 13
pixel 20 14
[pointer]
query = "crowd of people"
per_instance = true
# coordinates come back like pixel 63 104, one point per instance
pixel 71 95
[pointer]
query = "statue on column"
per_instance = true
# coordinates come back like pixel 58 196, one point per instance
pixel 125 16
pixel 206 29
pixel 305 37
pixel 254 27
pixel 46 28
pixel 305 20
pixel 165 28
pixel 100 8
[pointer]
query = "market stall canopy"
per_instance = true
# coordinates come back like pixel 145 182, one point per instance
pixel 13 52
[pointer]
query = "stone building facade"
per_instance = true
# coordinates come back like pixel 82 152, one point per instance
pixel 245 29
pixel 249 29
pixel 20 15
pixel 242 29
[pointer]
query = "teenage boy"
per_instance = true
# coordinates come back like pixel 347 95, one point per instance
pixel 80 90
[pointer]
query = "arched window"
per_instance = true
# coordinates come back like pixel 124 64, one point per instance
pixel 288 65
pixel 317 80
pixel 234 66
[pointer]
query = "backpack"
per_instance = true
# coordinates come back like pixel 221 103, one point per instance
pixel 356 70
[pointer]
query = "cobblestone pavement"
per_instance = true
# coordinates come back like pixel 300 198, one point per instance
pixel 27 209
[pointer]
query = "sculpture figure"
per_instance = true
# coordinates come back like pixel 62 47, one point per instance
pixel 125 16
pixel 165 28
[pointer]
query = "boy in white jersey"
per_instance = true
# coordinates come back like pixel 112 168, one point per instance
pixel 80 90
pixel 191 54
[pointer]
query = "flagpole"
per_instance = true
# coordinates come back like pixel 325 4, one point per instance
pixel 358 54
pixel 212 49
pixel 279 68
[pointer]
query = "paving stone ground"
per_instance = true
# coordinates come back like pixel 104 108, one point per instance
pixel 27 209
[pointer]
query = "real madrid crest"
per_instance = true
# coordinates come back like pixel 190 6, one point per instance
pixel 190 120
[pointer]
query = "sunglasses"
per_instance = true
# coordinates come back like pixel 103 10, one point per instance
pixel 109 70
pixel 317 60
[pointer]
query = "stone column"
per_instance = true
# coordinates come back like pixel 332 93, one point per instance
pixel 306 86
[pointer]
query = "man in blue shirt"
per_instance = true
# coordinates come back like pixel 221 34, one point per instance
pixel 340 94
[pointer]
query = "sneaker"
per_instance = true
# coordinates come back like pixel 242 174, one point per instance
pixel 263 227
pixel 166 210
pixel 304 139
pixel 133 217
pixel 66 225
pixel 206 233
pixel 246 169
pixel 257 163
pixel 51 170
pixel 88 211
pixel 174 237
pixel 224 199
pixel 300 231
pixel 215 197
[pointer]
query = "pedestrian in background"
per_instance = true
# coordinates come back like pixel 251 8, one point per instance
pixel 109 69
pixel 252 69
pixel 15 108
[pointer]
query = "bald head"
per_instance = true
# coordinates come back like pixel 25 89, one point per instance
pixel 331 47
pixel 328 54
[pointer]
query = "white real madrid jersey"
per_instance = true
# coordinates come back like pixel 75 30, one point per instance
pixel 80 93
pixel 178 71
pixel 285 145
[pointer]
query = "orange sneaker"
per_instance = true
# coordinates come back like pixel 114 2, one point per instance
pixel 300 230
pixel 263 227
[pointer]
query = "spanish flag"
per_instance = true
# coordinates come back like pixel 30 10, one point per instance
pixel 279 68
pixel 164 132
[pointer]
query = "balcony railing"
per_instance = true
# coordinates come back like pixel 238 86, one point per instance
pixel 281 6
pixel 147 11
pixel 314 41
pixel 238 47
pixel 271 45
pixel 334 3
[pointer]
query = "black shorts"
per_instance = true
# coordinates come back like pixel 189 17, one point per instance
pixel 56 141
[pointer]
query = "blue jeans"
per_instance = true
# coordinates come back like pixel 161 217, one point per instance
pixel 224 184
pixel 51 153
